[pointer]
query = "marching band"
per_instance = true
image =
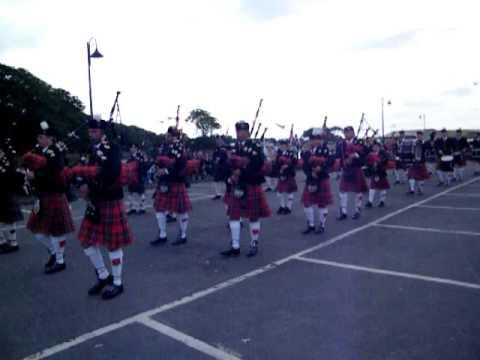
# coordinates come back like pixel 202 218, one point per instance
pixel 363 165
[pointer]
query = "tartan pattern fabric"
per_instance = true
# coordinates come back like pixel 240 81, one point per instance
pixel 459 160
pixel 54 217
pixel 252 206
pixel 322 197
pixel 288 185
pixel 353 180
pixel 112 231
pixel 175 200
pixel 379 183
pixel 418 172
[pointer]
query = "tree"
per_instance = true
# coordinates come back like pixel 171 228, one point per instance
pixel 204 121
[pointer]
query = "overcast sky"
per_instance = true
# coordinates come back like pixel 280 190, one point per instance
pixel 306 58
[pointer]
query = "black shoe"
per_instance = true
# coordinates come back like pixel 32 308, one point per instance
pixel 320 230
pixel 141 211
pixel 230 252
pixel 410 192
pixel 131 212
pixel 112 291
pixel 381 204
pixel 159 241
pixel 397 182
pixel 179 241
pixel 308 230
pixel 342 216
pixel 287 211
pixel 368 205
pixel 280 211
pixel 51 261
pixel 98 287
pixel 7 248
pixel 268 189
pixel 171 219
pixel 217 197
pixel 356 215
pixel 253 250
pixel 440 184
pixel 55 268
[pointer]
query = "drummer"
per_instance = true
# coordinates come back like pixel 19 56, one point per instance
pixel 444 147
pixel 459 160
pixel 430 154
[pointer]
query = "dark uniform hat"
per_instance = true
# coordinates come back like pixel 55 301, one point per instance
pixel 45 129
pixel 348 128
pixel 459 131
pixel 97 123
pixel 242 125
pixel 443 130
pixel 419 132
pixel 173 131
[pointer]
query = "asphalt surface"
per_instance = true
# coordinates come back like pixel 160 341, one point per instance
pixel 402 282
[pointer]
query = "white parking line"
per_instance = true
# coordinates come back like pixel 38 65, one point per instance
pixel 417 228
pixel 188 340
pixel 448 208
pixel 390 273
pixel 231 282
pixel 464 194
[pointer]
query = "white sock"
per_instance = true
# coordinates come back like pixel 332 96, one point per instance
pixel 183 224
pixel 142 202
pixel 290 201
pixel 162 223
pixel 281 198
pixel 420 185
pixel 116 259
pixel 411 182
pixel 440 176
pixel 461 172
pixel 45 240
pixel 371 195
pixel 235 231
pixel 322 214
pixel 12 234
pixel 309 214
pixel 343 202
pixel 3 240
pixel 216 188
pixel 96 258
pixel 130 201
pixel 59 247
pixel 397 175
pixel 358 201
pixel 254 232
pixel 383 195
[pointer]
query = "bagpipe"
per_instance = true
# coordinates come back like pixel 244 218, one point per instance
pixel 192 167
pixel 128 171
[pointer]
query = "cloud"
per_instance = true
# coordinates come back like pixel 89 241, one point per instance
pixel 395 41
pixel 16 38
pixel 267 9
pixel 460 91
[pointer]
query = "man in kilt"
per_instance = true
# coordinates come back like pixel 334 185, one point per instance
pixel 136 191
pixel 476 153
pixel 418 172
pixel 50 219
pixel 10 213
pixel 351 154
pixel 105 222
pixel 286 163
pixel 376 171
pixel 400 164
pixel 171 196
pixel 220 169
pixel 317 163
pixel 244 196
pixel 444 146
pixel 459 155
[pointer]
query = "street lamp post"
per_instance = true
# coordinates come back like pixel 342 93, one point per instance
pixel 95 54
pixel 383 118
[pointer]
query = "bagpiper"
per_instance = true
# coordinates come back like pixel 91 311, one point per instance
pixel 51 219
pixel 444 146
pixel 105 222
pixel 317 163
pixel 476 153
pixel 12 180
pixel 377 162
pixel 244 196
pixel 461 146
pixel 286 162
pixel 136 190
pixel 220 169
pixel 171 196
pixel 418 172
pixel 401 164
pixel 351 154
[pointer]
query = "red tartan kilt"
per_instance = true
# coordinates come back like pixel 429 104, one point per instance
pixel 418 172
pixel 112 232
pixel 289 185
pixel 381 184
pixel 322 198
pixel 54 217
pixel 253 206
pixel 353 181
pixel 176 200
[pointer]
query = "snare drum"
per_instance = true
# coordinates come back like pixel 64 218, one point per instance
pixel 446 163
